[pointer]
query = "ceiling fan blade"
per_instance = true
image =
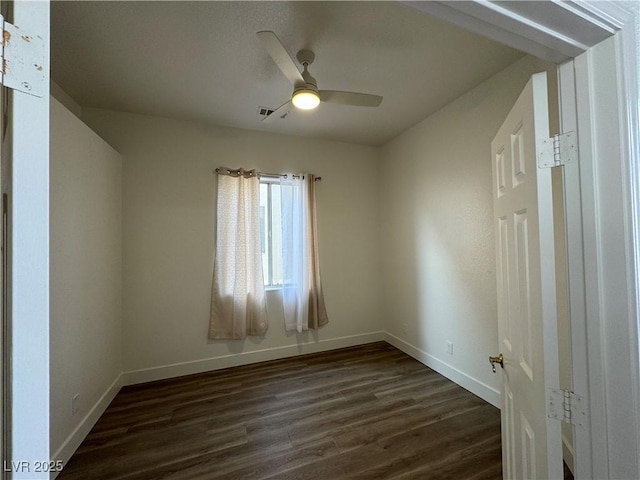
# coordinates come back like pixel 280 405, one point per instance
pixel 279 54
pixel 350 98
pixel 278 113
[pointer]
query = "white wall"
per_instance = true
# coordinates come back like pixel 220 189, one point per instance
pixel 437 231
pixel 168 200
pixel 85 277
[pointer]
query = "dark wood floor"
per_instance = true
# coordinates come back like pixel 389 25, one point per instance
pixel 567 473
pixel 368 412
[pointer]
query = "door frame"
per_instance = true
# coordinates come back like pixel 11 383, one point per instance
pixel 28 145
pixel 568 34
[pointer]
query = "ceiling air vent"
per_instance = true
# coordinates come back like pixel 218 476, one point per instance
pixel 265 111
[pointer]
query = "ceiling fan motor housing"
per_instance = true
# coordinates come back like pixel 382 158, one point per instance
pixel 306 96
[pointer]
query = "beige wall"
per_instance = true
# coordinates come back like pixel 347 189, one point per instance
pixel 169 223
pixel 406 238
pixel 406 235
pixel 437 231
pixel 86 271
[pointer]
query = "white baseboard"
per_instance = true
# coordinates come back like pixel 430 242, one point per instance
pixel 484 391
pixel 199 366
pixel 73 441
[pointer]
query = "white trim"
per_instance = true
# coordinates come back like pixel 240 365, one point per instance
pixel 615 14
pixel 233 360
pixel 610 268
pixel 629 99
pixel 29 205
pixel 557 31
pixel 475 386
pixel 582 357
pixel 73 441
pixel 628 58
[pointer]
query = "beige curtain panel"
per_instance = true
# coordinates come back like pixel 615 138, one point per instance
pixel 317 311
pixel 302 296
pixel 238 306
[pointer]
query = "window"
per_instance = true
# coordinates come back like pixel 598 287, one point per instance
pixel 280 236
pixel 271 231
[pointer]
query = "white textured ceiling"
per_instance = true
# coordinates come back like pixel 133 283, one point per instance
pixel 203 61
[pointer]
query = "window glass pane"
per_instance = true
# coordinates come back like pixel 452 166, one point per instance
pixel 271 232
pixel 276 234
pixel 264 230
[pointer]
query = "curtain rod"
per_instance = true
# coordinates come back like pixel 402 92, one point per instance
pixel 262 174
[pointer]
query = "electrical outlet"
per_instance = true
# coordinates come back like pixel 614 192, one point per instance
pixel 450 348
pixel 75 401
pixel 405 328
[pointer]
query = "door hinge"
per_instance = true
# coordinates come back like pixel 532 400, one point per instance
pixel 23 60
pixel 567 406
pixel 557 150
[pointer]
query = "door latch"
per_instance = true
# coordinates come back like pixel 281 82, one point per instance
pixel 493 360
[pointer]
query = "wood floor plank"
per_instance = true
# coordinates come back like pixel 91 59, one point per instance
pixel 367 412
pixel 387 426
pixel 339 466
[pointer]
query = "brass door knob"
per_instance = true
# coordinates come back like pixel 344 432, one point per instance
pixel 493 360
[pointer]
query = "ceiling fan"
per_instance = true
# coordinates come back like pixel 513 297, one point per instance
pixel 306 95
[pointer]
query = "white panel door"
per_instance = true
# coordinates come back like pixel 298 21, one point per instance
pixel 523 216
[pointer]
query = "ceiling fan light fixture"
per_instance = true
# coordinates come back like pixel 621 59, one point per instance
pixel 305 99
